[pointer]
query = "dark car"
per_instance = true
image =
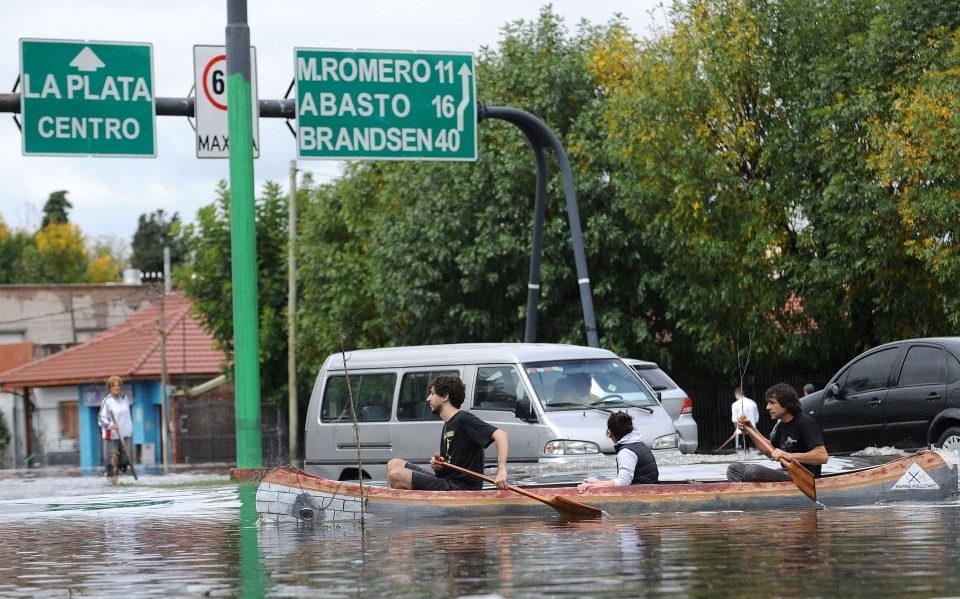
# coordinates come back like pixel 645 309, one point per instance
pixel 904 394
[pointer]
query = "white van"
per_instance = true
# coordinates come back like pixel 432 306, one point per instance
pixel 552 400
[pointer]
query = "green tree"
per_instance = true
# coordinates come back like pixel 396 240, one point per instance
pixel 10 252
pixel 744 152
pixel 852 252
pixel 154 232
pixel 407 253
pixel 687 121
pixel 56 209
pixel 918 161
pixel 206 279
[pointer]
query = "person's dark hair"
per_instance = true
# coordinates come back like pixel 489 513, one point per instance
pixel 786 396
pixel 450 386
pixel 620 424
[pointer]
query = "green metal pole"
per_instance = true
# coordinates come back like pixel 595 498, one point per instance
pixel 243 239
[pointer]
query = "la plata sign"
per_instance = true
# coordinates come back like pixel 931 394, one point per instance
pixel 354 104
pixel 87 98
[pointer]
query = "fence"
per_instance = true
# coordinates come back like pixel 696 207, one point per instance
pixel 712 400
pixel 207 432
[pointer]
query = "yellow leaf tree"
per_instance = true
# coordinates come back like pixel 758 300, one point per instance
pixel 62 253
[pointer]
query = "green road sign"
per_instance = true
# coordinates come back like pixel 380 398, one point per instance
pixel 375 104
pixel 87 98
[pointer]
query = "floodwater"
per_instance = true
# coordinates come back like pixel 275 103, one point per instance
pixel 198 536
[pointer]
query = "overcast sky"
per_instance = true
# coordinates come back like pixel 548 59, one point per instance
pixel 108 194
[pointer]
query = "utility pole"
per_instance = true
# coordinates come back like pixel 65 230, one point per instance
pixel 164 377
pixel 292 411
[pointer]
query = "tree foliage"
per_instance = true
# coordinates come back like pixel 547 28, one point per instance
pixel 771 175
pixel 61 254
pixel 57 208
pixel 206 279
pixel 58 252
pixel 154 232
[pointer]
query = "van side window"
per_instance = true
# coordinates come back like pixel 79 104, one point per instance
pixel 497 388
pixel 413 395
pixel 372 397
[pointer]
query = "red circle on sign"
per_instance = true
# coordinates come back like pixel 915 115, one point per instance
pixel 206 72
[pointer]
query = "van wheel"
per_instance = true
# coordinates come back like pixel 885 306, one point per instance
pixel 950 439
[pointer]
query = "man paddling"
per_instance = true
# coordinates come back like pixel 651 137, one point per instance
pixel 796 437
pixel 462 442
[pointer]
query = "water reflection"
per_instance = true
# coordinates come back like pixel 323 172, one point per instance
pixel 829 553
pixel 205 542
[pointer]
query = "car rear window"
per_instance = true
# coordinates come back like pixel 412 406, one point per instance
pixel 953 369
pixel 657 379
pixel 922 366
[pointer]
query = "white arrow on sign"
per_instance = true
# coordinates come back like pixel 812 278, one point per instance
pixel 86 61
pixel 464 95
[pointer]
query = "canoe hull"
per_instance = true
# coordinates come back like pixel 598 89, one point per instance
pixel 289 495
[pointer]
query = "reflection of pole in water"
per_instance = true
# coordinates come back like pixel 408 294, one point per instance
pixel 251 566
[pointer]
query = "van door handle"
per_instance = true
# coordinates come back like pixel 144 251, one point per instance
pixel 876 401
pixel 933 396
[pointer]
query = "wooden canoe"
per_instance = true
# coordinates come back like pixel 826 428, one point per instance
pixel 287 494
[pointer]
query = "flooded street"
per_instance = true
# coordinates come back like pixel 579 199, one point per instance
pixel 198 536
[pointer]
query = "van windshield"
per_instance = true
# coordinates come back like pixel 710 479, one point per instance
pixel 578 384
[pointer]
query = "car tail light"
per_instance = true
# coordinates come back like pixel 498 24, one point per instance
pixel 687 407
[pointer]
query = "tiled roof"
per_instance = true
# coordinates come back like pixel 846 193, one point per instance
pixel 15 354
pixel 131 349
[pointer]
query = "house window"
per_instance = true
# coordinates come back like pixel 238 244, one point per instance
pixel 69 421
pixel 11 337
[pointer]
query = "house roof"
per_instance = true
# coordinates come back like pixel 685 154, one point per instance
pixel 15 354
pixel 131 349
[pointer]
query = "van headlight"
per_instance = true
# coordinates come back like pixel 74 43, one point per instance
pixel 564 447
pixel 671 441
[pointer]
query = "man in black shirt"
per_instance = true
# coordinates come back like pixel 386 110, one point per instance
pixel 796 437
pixel 462 442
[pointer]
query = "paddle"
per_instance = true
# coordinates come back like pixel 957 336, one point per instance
pixel 126 452
pixel 123 446
pixel 728 440
pixel 565 506
pixel 802 477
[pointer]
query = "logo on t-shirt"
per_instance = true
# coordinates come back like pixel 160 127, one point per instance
pixel 447 441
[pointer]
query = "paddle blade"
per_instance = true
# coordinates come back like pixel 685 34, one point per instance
pixel 803 478
pixel 573 509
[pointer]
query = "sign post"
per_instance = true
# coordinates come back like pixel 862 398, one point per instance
pixel 84 98
pixel 354 104
pixel 210 78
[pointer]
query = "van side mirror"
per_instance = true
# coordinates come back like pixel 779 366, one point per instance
pixel 833 391
pixel 524 410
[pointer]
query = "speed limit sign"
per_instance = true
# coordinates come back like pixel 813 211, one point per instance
pixel 210 79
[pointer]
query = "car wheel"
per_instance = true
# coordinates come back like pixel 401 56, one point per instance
pixel 950 439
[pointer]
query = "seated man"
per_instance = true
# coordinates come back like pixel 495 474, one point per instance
pixel 462 441
pixel 796 437
pixel 635 462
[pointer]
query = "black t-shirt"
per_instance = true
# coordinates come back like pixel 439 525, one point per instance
pixel 462 442
pixel 800 435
